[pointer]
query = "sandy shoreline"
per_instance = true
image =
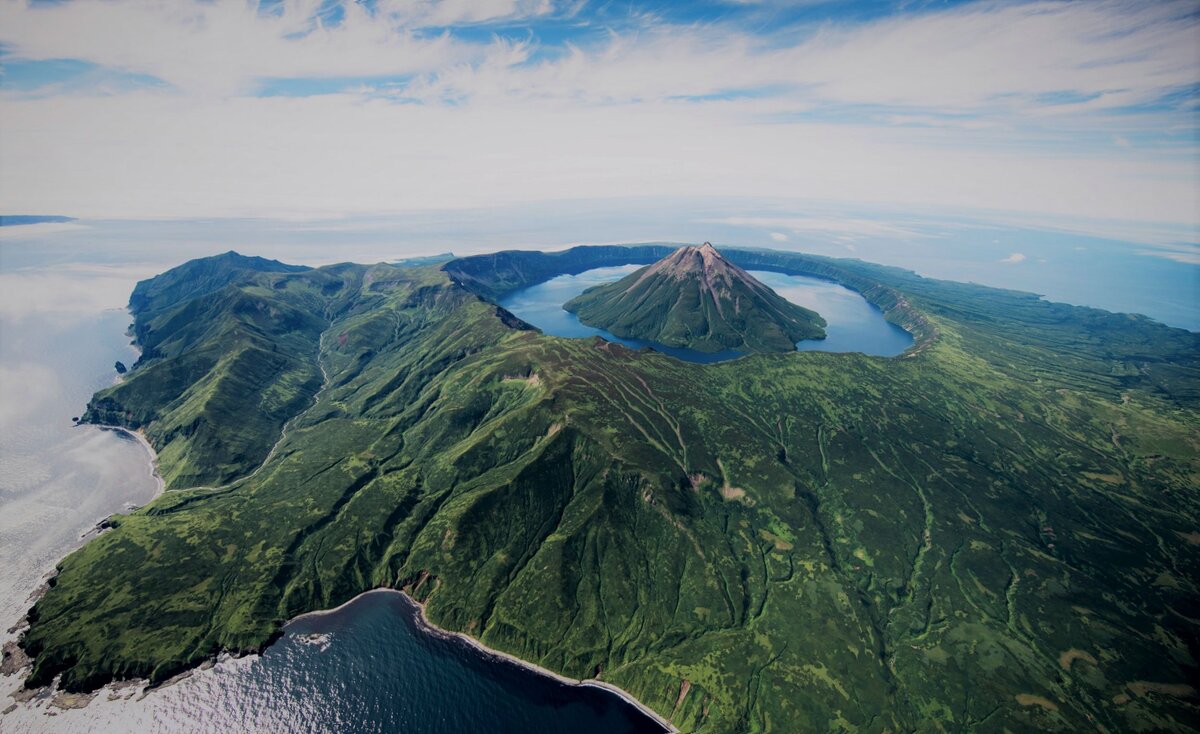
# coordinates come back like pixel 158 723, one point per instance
pixel 433 629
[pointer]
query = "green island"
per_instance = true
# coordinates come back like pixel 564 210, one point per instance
pixel 998 530
pixel 695 298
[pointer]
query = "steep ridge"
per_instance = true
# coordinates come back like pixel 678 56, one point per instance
pixel 228 356
pixel 696 298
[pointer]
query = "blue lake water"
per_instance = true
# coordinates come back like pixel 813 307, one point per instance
pixel 853 325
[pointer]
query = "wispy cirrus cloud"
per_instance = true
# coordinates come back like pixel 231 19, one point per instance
pixel 227 48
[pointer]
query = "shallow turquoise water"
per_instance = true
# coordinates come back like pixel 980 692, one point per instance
pixel 853 324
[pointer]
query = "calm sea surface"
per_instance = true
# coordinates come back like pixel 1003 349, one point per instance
pixel 853 325
pixel 368 667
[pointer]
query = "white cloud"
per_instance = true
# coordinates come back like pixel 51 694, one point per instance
pixel 151 155
pixel 24 388
pixel 779 237
pixel 223 47
pixel 1013 259
pixel 603 120
pixel 998 54
pixel 457 12
pixel 1158 234
pixel 67 292
pixel 843 225
pixel 1043 59
pixel 1184 252
pixel 1187 258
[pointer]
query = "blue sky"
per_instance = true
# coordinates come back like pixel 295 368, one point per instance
pixel 307 108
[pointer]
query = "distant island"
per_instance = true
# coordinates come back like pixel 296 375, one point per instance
pixel 12 220
pixel 697 299
pixel 996 530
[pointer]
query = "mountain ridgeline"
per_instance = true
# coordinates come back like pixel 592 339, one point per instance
pixel 697 299
pixel 997 530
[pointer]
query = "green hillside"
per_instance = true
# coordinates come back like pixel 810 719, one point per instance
pixel 695 298
pixel 998 530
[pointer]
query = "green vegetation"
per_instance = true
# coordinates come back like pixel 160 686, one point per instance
pixel 998 530
pixel 695 298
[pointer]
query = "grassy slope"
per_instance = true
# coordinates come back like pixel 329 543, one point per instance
pixel 229 354
pixel 999 530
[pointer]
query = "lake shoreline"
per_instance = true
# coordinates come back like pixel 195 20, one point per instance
pixel 854 325
pixel 432 629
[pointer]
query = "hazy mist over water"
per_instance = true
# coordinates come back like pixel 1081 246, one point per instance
pixel 56 480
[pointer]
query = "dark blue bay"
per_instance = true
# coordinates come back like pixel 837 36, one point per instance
pixel 370 666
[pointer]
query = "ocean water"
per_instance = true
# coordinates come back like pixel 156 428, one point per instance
pixel 57 481
pixel 365 668
pixel 853 325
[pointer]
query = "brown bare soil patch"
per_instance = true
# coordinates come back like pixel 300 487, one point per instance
pixel 732 493
pixel 1072 655
pixel 1179 690
pixel 684 687
pixel 1106 478
pixel 1028 699
pixel 533 380
pixel 1192 538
